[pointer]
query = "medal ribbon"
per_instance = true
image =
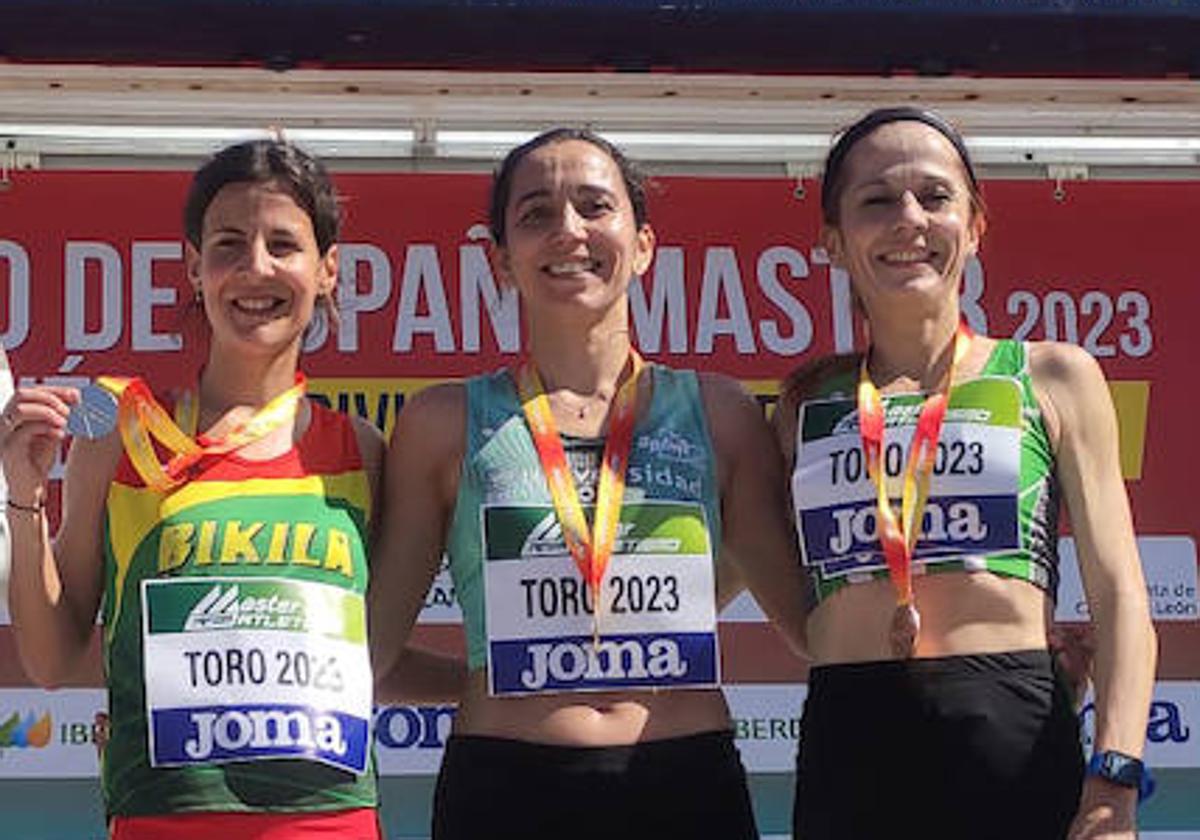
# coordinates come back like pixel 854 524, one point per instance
pixel 592 550
pixel 140 417
pixel 898 536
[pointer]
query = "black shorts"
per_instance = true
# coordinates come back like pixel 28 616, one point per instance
pixel 688 787
pixel 957 747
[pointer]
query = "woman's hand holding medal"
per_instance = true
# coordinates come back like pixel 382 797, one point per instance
pixel 33 426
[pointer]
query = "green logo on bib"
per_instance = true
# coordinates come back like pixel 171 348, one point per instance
pixel 207 604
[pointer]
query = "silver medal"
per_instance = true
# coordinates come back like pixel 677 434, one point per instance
pixel 95 415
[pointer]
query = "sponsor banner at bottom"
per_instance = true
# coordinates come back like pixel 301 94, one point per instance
pixel 1171 737
pixel 409 739
pixel 766 724
pixel 49 734
pixel 217 734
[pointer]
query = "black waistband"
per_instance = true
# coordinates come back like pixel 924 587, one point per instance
pixel 514 753
pixel 974 664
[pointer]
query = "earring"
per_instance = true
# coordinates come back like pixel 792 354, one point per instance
pixel 197 295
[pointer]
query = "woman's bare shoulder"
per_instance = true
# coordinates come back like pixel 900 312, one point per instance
pixel 811 377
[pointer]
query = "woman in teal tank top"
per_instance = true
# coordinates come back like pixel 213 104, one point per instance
pixel 578 720
pixel 932 686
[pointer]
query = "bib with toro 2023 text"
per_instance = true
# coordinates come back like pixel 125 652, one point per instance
pixel 655 625
pixel 659 614
pixel 241 668
pixel 973 505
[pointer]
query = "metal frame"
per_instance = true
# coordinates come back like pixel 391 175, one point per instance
pixel 71 116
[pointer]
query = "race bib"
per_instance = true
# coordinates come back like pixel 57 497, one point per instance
pixel 241 669
pixel 658 615
pixel 973 503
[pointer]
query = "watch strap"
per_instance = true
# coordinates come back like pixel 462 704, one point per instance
pixel 1124 770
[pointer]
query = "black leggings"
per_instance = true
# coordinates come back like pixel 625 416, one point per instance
pixel 957 747
pixel 688 787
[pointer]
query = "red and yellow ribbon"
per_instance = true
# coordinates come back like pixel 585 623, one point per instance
pixel 898 536
pixel 140 418
pixel 591 550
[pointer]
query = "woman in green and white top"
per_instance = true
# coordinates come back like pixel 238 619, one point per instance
pixel 932 686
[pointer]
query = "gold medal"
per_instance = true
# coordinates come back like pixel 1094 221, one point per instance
pixel 906 625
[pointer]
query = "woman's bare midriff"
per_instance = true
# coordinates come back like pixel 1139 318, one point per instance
pixel 591 719
pixel 961 613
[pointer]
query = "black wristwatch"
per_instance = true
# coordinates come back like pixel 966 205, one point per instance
pixel 1123 770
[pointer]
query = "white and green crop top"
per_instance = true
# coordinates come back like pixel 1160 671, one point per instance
pixel 993 503
pixel 526 610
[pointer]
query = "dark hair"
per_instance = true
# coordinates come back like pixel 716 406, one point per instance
pixel 832 180
pixel 294 170
pixel 635 181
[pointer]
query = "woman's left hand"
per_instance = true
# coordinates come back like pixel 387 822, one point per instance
pixel 1074 649
pixel 1106 812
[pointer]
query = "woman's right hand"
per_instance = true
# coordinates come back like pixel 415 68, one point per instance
pixel 32 427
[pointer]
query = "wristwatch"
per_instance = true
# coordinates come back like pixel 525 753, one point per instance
pixel 1123 770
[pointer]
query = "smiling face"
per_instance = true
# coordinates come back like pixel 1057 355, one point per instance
pixel 906 223
pixel 571 239
pixel 259 267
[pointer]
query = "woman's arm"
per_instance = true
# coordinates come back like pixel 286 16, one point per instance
pixel 420 485
pixel 1083 425
pixel 371 450
pixel 754 515
pixel 54 588
pixel 783 425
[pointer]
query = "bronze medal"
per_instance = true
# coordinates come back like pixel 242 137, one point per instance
pixel 906 624
pixel 898 534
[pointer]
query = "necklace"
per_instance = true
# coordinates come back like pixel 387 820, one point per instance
pixel 582 406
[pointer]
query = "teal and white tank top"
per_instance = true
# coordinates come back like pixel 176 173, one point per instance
pixel 993 502
pixel 526 610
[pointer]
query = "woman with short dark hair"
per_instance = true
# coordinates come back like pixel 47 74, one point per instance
pixel 232 573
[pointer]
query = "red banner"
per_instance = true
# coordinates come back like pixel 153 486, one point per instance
pixel 91 281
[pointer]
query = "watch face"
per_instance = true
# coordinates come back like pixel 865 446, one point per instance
pixel 1121 769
